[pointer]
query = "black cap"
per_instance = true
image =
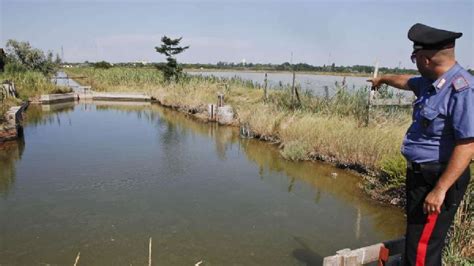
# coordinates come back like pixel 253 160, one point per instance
pixel 428 38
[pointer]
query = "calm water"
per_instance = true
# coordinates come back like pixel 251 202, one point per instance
pixel 101 179
pixel 314 83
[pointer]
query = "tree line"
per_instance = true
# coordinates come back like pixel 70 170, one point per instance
pixel 300 67
pixel 18 57
pixel 304 67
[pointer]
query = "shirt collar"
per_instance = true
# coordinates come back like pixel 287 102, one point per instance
pixel 445 80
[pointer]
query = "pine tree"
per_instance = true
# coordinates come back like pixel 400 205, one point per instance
pixel 170 47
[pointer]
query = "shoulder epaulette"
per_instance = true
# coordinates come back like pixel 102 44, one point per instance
pixel 460 83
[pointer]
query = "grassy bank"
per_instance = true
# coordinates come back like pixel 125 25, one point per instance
pixel 31 84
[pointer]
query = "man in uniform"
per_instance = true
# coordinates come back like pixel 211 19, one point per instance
pixel 439 144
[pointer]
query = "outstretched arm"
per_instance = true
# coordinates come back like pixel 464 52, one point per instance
pixel 397 81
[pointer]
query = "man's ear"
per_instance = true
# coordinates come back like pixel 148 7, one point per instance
pixel 426 59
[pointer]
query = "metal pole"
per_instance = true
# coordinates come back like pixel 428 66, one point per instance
pixel 371 94
pixel 265 93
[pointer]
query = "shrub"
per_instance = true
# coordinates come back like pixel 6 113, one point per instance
pixel 394 170
pixel 102 64
pixel 295 151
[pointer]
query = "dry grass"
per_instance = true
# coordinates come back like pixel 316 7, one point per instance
pixel 118 79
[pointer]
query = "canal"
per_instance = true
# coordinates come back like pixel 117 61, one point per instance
pixel 102 178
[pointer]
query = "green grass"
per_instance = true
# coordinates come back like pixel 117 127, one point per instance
pixel 32 84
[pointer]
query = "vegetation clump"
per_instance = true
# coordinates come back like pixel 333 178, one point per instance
pixel 102 64
pixel 30 70
pixel 21 57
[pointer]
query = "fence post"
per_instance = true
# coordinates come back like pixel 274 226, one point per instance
pixel 293 90
pixel 265 93
pixel 297 96
pixel 293 87
pixel 220 100
pixel 371 95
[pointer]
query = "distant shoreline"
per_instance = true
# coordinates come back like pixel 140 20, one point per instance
pixel 337 74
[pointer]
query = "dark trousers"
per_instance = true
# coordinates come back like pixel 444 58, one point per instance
pixel 426 234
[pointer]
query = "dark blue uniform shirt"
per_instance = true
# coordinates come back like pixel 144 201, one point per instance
pixel 442 113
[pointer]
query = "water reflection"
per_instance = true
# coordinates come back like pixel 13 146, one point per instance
pixel 306 254
pixel 327 182
pixel 174 125
pixel 38 115
pixel 10 154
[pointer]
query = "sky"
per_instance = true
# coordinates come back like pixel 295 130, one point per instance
pixel 259 31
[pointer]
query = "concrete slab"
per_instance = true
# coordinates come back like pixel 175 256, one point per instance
pixel 120 103
pixel 109 96
pixel 56 98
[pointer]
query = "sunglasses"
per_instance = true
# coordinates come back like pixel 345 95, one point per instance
pixel 413 56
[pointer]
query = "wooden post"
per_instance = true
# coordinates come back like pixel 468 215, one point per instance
pixel 326 92
pixel 293 87
pixel 212 112
pixel 220 100
pixel 265 93
pixel 14 90
pixel 371 94
pixel 298 96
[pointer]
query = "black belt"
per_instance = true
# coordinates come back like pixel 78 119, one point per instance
pixel 418 166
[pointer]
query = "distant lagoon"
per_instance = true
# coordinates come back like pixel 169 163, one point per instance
pixel 307 82
pixel 312 82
